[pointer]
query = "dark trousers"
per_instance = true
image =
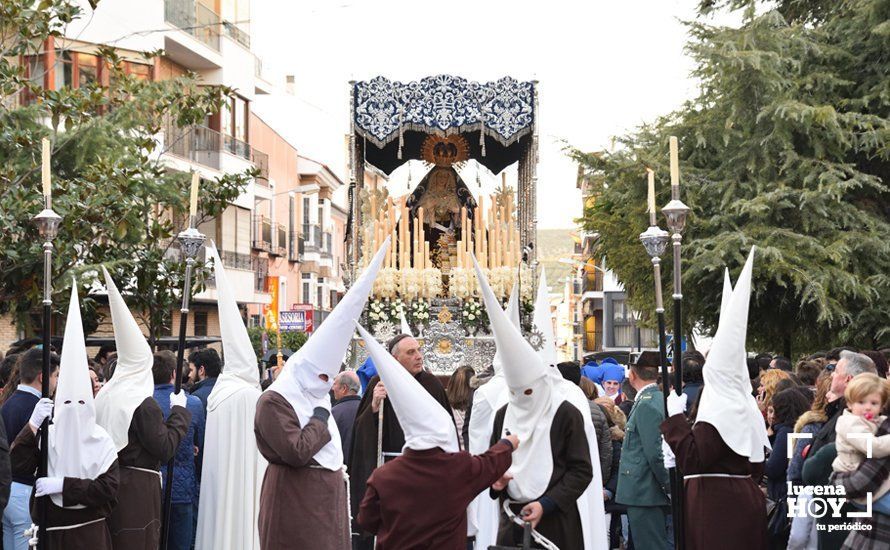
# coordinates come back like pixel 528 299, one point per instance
pixel 649 528
pixel 182 527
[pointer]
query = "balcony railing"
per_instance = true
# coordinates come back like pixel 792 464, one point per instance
pixel 262 233
pixel 236 34
pixel 279 246
pixel 295 250
pixel 236 260
pixel 592 282
pixel 261 161
pixel 236 147
pixel 311 237
pixel 195 19
pixel 196 143
pixel 326 244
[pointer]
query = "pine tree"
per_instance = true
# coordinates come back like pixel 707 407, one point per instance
pixel 785 147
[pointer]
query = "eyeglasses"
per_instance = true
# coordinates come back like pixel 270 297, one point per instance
pixel 830 367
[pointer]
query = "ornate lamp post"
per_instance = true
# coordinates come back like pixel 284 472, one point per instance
pixel 190 242
pixel 675 212
pixel 48 224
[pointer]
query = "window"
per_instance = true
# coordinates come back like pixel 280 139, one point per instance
pixel 622 325
pixel 320 293
pixel 200 323
pixel 307 207
pixel 235 115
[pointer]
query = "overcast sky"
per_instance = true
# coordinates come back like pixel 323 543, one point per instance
pixel 604 67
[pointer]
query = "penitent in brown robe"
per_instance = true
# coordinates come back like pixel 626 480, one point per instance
pixel 419 500
pixel 302 505
pixel 97 496
pixel 721 512
pixel 572 473
pixel 363 454
pixel 135 523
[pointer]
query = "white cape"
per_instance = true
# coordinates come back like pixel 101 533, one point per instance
pixel 487 400
pixel 232 475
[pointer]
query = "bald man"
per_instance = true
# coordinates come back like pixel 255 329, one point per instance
pixel 345 390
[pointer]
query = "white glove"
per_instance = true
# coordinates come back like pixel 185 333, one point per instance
pixel 667 454
pixel 41 412
pixel 177 399
pixel 48 486
pixel 676 404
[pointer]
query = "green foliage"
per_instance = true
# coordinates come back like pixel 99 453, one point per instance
pixel 121 206
pixel 289 340
pixel 785 147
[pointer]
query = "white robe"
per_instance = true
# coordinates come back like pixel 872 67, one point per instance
pixel 482 519
pixel 232 475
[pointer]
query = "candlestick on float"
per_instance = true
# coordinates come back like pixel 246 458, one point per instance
pixel 47 223
pixel 190 242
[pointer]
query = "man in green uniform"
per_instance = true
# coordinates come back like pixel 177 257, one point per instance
pixel 643 484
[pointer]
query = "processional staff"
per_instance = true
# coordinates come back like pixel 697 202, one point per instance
pixel 48 224
pixel 190 242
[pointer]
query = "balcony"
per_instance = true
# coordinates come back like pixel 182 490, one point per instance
pixel 235 33
pixel 195 19
pixel 295 250
pixel 195 143
pixel 311 238
pixel 261 161
pixel 237 147
pixel 262 233
pixel 326 245
pixel 279 247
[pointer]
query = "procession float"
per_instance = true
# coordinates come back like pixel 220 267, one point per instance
pixel 428 282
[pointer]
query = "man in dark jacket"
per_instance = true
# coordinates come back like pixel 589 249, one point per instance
pixel 185 483
pixel 207 368
pixel 345 389
pixel 16 413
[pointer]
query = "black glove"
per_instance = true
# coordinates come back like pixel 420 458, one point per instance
pixel 321 413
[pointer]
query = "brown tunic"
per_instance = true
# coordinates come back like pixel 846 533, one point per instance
pixel 302 505
pixel 135 523
pixel 419 500
pixel 363 453
pixel 724 513
pixel 572 473
pixel 98 496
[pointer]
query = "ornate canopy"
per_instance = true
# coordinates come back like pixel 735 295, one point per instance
pixel 393 118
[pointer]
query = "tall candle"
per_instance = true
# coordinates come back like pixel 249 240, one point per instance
pixel 426 255
pixel 651 176
pixel 193 202
pixel 46 152
pixel 675 167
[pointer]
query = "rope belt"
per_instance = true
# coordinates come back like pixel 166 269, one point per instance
pixel 539 538
pixel 147 471
pixel 66 527
pixel 730 476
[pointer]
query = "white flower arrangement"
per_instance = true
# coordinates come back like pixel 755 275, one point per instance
pixel 396 310
pixel 461 283
pixel 501 280
pixel 377 311
pixel 420 312
pixel 386 285
pixel 472 313
pixel 432 283
pixel 411 283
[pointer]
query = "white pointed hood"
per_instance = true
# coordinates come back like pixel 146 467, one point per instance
pixel 544 324
pixel 406 328
pixel 240 362
pixel 132 381
pixel 521 364
pixel 512 312
pixel 727 292
pixel 726 401
pixel 77 446
pixel 425 423
pixel 323 353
